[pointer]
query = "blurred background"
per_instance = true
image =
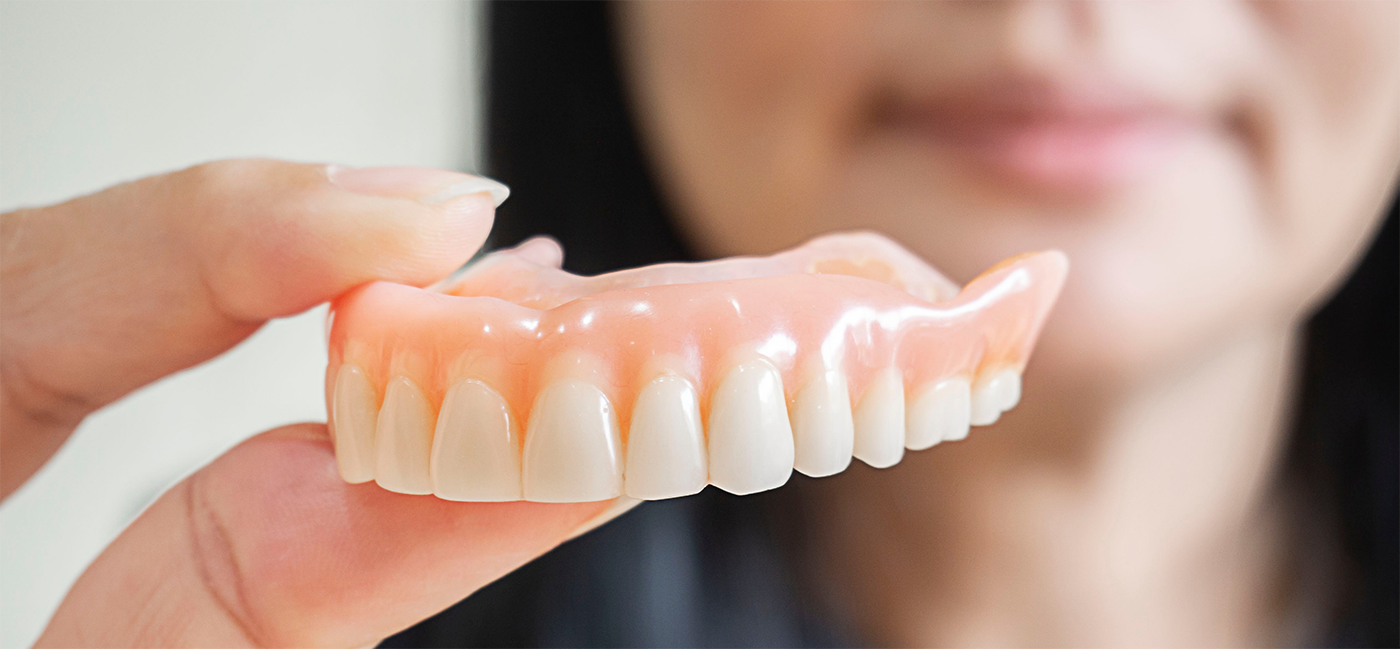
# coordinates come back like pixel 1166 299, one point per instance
pixel 1215 171
pixel 95 93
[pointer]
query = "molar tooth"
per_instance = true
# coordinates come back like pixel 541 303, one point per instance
pixel 476 447
pixel 751 446
pixel 403 439
pixel 822 428
pixel 665 443
pixel 879 421
pixel 353 415
pixel 940 411
pixel 572 447
pixel 993 393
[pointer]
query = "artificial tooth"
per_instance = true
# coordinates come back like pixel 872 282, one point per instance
pixel 666 454
pixel 994 393
pixel 822 428
pixel 1010 389
pixel 404 439
pixel 751 446
pixel 354 406
pixel 572 448
pixel 939 411
pixel 476 447
pixel 879 421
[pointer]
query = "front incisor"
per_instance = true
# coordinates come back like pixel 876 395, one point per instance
pixel 476 447
pixel 572 448
pixel 666 454
pixel 353 412
pixel 751 446
pixel 404 439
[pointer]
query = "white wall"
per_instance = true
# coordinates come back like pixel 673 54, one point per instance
pixel 92 93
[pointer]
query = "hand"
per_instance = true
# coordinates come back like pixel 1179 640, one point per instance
pixel 266 545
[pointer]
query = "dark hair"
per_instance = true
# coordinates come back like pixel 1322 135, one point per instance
pixel 1343 456
pixel 560 134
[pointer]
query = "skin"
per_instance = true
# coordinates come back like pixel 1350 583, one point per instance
pixel 1212 171
pixel 1126 501
pixel 266 545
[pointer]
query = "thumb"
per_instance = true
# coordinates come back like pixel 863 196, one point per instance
pixel 110 291
pixel 268 546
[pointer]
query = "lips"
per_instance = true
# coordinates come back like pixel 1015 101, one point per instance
pixel 1048 136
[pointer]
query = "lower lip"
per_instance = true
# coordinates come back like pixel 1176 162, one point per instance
pixel 1066 153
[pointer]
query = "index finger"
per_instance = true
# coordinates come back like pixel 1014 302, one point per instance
pixel 110 291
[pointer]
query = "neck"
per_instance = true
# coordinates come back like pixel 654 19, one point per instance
pixel 1132 514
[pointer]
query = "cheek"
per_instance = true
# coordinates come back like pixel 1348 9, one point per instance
pixel 745 106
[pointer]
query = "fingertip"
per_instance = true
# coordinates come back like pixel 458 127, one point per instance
pixel 431 186
pixel 542 250
pixel 418 245
pixel 282 237
pixel 467 221
pixel 450 215
pixel 460 209
pixel 498 191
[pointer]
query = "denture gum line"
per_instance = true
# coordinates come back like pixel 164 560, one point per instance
pixel 519 381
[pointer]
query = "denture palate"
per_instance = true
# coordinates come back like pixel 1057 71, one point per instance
pixel 517 380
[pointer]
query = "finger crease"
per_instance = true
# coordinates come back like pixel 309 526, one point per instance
pixel 38 402
pixel 216 563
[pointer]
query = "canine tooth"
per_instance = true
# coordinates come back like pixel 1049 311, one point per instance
pixel 403 439
pixel 665 442
pixel 476 446
pixel 572 447
pixel 879 421
pixel 994 393
pixel 751 446
pixel 823 432
pixel 940 411
pixel 353 409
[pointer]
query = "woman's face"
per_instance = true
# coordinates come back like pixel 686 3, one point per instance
pixel 1209 167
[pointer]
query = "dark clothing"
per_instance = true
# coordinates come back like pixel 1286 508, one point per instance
pixel 702 571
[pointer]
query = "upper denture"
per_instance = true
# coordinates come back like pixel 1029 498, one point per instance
pixel 841 310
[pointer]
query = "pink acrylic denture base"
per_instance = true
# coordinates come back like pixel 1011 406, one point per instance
pixel 517 325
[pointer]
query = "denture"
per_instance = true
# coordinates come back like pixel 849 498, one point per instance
pixel 515 380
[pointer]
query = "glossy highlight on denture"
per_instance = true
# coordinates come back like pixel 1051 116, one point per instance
pixel 518 380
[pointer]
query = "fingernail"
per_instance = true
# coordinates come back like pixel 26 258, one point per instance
pixel 431 186
pixel 473 184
